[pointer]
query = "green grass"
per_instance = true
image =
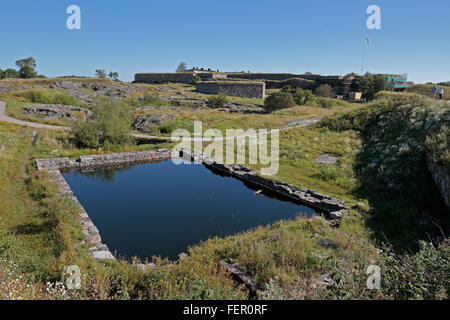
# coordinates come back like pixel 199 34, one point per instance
pixel 284 257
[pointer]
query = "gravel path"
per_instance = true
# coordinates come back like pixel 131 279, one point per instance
pixel 4 117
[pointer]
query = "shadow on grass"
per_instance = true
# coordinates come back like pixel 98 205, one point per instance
pixel 34 228
pixel 406 203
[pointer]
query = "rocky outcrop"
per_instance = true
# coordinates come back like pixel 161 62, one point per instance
pixel 240 276
pixel 237 107
pixel 148 122
pixel 326 159
pixel 55 111
pixel 86 92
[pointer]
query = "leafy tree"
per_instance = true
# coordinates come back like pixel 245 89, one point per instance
pixel 100 73
pixel 301 96
pixel 352 74
pixel 10 73
pixel 278 100
pixel 324 90
pixel 109 127
pixel 114 76
pixel 181 67
pixel 26 68
pixel 369 84
pixel 380 82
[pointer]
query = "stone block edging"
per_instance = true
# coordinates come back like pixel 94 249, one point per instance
pixel 54 166
pixel 333 208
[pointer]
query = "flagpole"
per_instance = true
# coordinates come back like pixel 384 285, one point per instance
pixel 364 57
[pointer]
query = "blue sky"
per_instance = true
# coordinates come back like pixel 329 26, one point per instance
pixel 321 36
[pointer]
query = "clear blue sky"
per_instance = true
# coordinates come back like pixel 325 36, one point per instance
pixel 321 36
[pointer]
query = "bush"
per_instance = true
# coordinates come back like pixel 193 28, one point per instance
pixel 109 127
pixel 278 100
pixel 324 102
pixel 40 96
pixel 423 275
pixel 218 101
pixel 419 276
pixel 196 79
pixel 325 90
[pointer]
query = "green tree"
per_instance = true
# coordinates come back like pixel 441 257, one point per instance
pixel 181 67
pixel 367 85
pixel 324 90
pixel 380 82
pixel 301 96
pixel 10 73
pixel 278 100
pixel 100 73
pixel 26 68
pixel 114 76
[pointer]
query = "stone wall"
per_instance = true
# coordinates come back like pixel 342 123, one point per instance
pixel 54 166
pixel 211 75
pixel 293 82
pixel 278 80
pixel 262 76
pixel 237 89
pixel 158 78
pixel 441 177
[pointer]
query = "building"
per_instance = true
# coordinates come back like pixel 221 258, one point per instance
pixel 400 82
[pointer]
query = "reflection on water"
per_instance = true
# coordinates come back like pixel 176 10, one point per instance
pixel 162 209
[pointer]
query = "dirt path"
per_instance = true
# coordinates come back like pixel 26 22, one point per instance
pixel 296 123
pixel 4 117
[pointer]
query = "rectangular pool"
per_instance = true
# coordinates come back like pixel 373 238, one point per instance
pixel 163 208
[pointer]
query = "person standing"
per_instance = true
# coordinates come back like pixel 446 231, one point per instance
pixel 441 93
pixel 434 90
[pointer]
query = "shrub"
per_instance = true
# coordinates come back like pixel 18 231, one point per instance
pixel 196 79
pixel 278 100
pixel 324 102
pixel 423 275
pixel 325 90
pixel 110 126
pixel 419 276
pixel 301 96
pixel 61 98
pixel 40 96
pixel 148 99
pixel 218 101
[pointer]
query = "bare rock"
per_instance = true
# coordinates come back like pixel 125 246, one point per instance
pixel 326 159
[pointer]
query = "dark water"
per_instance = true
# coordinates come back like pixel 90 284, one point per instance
pixel 162 209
